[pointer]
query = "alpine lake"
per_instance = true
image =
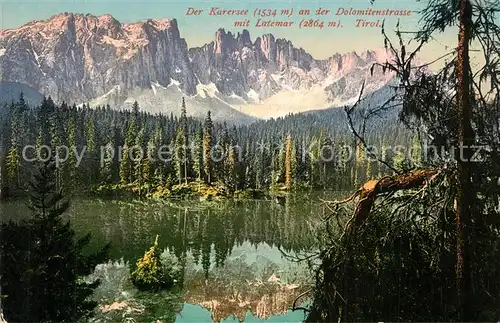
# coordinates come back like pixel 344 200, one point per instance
pixel 237 257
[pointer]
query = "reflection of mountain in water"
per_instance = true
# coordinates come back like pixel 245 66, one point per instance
pixel 262 287
pixel 276 301
pixel 258 286
pixel 210 231
pixel 229 251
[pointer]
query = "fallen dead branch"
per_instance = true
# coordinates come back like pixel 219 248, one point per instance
pixel 368 193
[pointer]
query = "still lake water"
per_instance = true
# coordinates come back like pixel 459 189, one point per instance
pixel 232 254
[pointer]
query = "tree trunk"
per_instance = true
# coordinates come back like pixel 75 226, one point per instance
pixel 2 319
pixel 465 193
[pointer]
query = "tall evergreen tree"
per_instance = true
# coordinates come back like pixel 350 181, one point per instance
pixel 288 161
pixel 207 148
pixel 198 155
pixel 149 164
pixel 72 160
pixel 180 156
pixel 41 276
pixel 139 158
pixel 126 165
pixel 185 131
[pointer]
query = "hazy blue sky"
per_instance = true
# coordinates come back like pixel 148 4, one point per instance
pixel 197 30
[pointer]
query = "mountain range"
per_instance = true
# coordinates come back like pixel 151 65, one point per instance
pixel 98 60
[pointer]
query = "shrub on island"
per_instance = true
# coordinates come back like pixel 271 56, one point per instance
pixel 154 272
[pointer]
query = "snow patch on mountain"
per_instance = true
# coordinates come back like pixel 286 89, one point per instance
pixel 174 83
pixel 252 94
pixel 208 90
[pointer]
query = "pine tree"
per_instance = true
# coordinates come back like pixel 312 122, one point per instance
pixel 180 156
pixel 72 160
pixel 44 121
pixel 258 169
pixel 91 166
pixel 230 167
pixel 198 156
pixel 368 169
pixel 184 117
pixel 233 169
pixel 314 162
pixel 14 154
pixel 288 161
pixel 207 148
pixel 149 164
pixel 135 110
pixel 150 272
pixel 13 165
pixel 281 167
pixel 106 167
pixel 416 153
pixel 159 171
pixel 139 158
pixel 360 161
pixel 328 162
pixel 126 165
pixel 399 160
pixel 48 266
pixel 293 161
pixel 184 127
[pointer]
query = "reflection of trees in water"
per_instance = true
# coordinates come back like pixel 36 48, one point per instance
pixel 203 237
pixel 121 302
pixel 198 228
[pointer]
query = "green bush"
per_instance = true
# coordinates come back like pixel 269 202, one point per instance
pixel 160 192
pixel 249 194
pixel 152 272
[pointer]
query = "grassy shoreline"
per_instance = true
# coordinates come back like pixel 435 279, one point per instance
pixel 200 190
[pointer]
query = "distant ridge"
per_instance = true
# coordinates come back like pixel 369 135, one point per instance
pixel 11 91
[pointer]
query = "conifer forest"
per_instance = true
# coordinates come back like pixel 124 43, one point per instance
pixel 304 151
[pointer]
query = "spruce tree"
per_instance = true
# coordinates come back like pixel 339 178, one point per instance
pixel 180 156
pixel 149 164
pixel 281 161
pixel 198 156
pixel 416 153
pixel 185 130
pixel 106 173
pixel 91 151
pixel 288 162
pixel 207 148
pixel 135 110
pixel 126 165
pixel 159 166
pixel 13 166
pixel 47 268
pixel 14 154
pixel 293 161
pixel 72 161
pixel 139 158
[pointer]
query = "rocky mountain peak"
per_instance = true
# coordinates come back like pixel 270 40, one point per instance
pixel 267 45
pixel 243 39
pixel 85 58
pixel 224 42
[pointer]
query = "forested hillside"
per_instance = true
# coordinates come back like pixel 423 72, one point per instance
pixel 101 148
